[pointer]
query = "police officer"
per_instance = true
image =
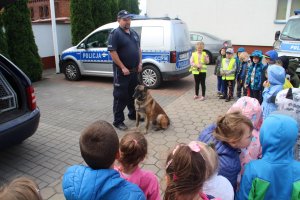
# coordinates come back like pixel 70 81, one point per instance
pixel 124 47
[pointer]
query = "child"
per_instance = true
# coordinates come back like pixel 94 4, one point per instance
pixel 250 108
pixel 99 147
pixel 238 64
pixel 270 59
pixel 274 84
pixel 253 80
pixel 213 180
pixel 133 150
pixel 277 174
pixel 283 61
pixel 231 132
pixel 217 71
pixel 198 62
pixel 20 189
pixel 241 74
pixel 185 173
pixel 228 74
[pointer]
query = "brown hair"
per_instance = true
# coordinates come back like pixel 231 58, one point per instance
pixel 228 127
pixel 99 145
pixel 20 189
pixel 210 156
pixel 133 149
pixel 186 172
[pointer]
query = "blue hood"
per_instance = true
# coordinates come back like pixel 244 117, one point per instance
pixel 241 49
pixel 278 136
pixel 81 182
pixel 276 75
pixel 272 54
pixel 256 53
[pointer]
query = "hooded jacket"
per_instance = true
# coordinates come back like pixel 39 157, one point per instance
pixel 276 78
pixel 250 108
pixel 84 183
pixel 256 85
pixel 277 174
pixel 291 70
pixel 229 162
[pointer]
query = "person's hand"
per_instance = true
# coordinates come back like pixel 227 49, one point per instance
pixel 266 84
pixel 246 85
pixel 199 66
pixel 140 67
pixel 125 71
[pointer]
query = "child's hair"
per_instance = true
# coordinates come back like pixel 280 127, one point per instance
pixel 186 172
pixel 229 127
pixel 133 149
pixel 20 189
pixel 244 56
pixel 99 145
pixel 210 156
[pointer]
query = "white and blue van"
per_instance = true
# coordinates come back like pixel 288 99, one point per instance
pixel 287 42
pixel 165 48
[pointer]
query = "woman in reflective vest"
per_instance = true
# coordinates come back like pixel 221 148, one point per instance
pixel 198 62
pixel 228 74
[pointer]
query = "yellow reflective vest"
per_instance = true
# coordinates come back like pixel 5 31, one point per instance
pixel 195 70
pixel 228 67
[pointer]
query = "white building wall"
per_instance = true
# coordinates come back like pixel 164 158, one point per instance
pixel 44 40
pixel 245 22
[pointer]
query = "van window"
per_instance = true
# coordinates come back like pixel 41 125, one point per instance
pixel 153 36
pixel 182 36
pixel 138 30
pixel 291 30
pixel 98 39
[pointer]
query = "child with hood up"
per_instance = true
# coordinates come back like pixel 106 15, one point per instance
pixel 276 79
pixel 253 81
pixel 250 108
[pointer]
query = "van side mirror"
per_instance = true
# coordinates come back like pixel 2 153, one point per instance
pixel 82 46
pixel 277 35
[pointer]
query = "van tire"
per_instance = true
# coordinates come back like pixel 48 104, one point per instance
pixel 71 71
pixel 151 76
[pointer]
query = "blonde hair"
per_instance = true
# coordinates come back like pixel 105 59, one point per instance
pixel 244 56
pixel 20 189
pixel 198 44
pixel 229 127
pixel 210 156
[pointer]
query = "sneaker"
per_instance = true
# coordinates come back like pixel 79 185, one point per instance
pixel 219 93
pixel 222 97
pixel 196 97
pixel 202 99
pixel 121 126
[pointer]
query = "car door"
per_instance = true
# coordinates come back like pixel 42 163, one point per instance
pixel 95 58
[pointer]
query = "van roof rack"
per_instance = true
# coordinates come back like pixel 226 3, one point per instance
pixel 145 17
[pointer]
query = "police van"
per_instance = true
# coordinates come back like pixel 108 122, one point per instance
pixel 165 48
pixel 287 43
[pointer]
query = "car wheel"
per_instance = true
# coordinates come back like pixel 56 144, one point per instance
pixel 71 71
pixel 151 76
pixel 210 57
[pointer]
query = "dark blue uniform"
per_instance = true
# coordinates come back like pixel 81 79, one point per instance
pixel 128 47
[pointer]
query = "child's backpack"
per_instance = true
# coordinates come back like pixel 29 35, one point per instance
pixel 288 100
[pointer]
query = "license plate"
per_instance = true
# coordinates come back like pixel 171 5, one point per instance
pixel 183 56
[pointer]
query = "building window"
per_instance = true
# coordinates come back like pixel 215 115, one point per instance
pixel 46 11
pixel 285 9
pixel 41 11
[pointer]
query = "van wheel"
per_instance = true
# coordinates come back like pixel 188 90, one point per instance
pixel 210 57
pixel 151 77
pixel 71 71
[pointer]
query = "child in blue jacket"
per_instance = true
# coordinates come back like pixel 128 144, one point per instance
pixel 276 175
pixel 99 147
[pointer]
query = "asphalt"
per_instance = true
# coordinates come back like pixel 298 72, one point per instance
pixel 68 107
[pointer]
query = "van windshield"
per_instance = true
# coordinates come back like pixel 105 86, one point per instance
pixel 182 37
pixel 291 30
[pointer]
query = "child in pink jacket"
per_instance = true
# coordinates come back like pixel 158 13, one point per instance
pixel 250 108
pixel 133 150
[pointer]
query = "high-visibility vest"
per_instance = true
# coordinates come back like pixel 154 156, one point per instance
pixel 228 67
pixel 195 70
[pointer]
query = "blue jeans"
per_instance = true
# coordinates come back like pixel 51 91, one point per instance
pixel 220 85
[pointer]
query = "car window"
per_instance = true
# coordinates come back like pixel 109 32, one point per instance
pixel 195 37
pixel 138 30
pixel 98 39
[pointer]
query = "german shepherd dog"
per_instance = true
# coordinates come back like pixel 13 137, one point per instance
pixel 146 106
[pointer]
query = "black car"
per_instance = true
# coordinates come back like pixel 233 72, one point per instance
pixel 19 114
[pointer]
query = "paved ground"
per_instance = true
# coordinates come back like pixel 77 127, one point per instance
pixel 68 107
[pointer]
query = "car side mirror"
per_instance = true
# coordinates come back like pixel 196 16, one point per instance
pixel 277 35
pixel 82 46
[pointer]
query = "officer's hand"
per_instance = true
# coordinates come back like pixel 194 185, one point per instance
pixel 140 68
pixel 125 71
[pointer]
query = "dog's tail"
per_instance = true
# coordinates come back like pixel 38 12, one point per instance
pixel 163 120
